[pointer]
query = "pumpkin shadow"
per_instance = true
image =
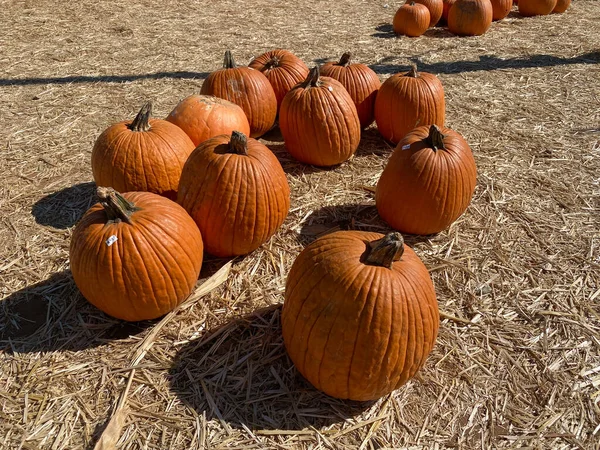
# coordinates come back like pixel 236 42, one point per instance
pixel 52 315
pixel 64 208
pixel 273 135
pixel 240 374
pixel 439 32
pixel 373 143
pixel 291 165
pixel 384 31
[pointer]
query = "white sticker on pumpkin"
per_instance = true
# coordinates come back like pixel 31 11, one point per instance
pixel 111 240
pixel 406 147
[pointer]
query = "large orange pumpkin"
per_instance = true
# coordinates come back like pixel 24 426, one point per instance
pixel 561 6
pixel 446 10
pixel 428 182
pixel 470 17
pixel 360 314
pixel 319 121
pixel 408 100
pixel 236 191
pixel 435 7
pixel 141 155
pixel 248 88
pixel 528 8
pixel 135 256
pixel 361 83
pixel 283 69
pixel 206 116
pixel 501 8
pixel 411 19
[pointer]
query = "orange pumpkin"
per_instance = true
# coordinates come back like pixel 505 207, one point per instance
pixel 245 87
pixel 360 314
pixel 561 6
pixel 283 69
pixel 135 256
pixel 319 121
pixel 411 19
pixel 206 116
pixel 141 155
pixel 470 17
pixel 528 8
pixel 407 100
pixel 361 83
pixel 501 8
pixel 447 5
pixel 236 191
pixel 428 182
pixel 435 7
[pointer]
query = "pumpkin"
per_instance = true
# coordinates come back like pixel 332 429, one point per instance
pixel 360 314
pixel 206 116
pixel 428 182
pixel 141 155
pixel 470 17
pixel 528 8
pixel 411 19
pixel 407 100
pixel 135 256
pixel 435 7
pixel 447 5
pixel 237 193
pixel 500 8
pixel 248 88
pixel 319 121
pixel 561 6
pixel 361 83
pixel 283 69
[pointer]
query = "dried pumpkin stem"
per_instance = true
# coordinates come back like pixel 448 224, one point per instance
pixel 312 80
pixel 142 120
pixel 273 62
pixel 238 143
pixel 116 207
pixel 345 59
pixel 412 72
pixel 384 251
pixel 436 138
pixel 228 62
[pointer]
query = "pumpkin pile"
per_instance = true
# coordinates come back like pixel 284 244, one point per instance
pixel 360 314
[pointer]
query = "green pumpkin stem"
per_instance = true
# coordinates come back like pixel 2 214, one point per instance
pixel 116 207
pixel 228 62
pixel 312 80
pixel 142 120
pixel 412 72
pixel 238 143
pixel 345 60
pixel 383 252
pixel 435 140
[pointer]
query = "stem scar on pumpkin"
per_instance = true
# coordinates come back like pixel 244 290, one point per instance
pixel 142 120
pixel 385 251
pixel 117 208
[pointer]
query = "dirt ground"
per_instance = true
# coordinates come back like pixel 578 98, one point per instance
pixel 517 362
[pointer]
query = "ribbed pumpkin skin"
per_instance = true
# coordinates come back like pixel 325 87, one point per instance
pixel 561 6
pixel 447 5
pixel 501 8
pixel 357 331
pixel 206 116
pixel 249 89
pixel 361 83
pixel 529 8
pixel 405 102
pixel 237 201
pixel 283 69
pixel 411 19
pixel 149 161
pixel 422 191
pixel 320 124
pixel 151 267
pixel 470 17
pixel 435 7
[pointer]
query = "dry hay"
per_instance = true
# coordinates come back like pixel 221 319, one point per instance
pixel 517 363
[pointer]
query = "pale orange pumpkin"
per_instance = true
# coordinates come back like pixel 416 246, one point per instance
pixel 528 8
pixel 470 17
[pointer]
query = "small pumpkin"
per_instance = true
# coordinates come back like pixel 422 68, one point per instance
pixel 529 8
pixel 141 155
pixel 206 116
pixel 411 19
pixel 501 8
pixel 319 121
pixel 428 182
pixel 283 69
pixel 470 17
pixel 248 88
pixel 407 100
pixel 360 314
pixel 561 6
pixel 361 82
pixel 435 7
pixel 135 256
pixel 237 193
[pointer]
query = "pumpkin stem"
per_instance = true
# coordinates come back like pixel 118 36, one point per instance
pixel 142 120
pixel 412 72
pixel 383 252
pixel 312 80
pixel 238 143
pixel 228 62
pixel 273 62
pixel 345 59
pixel 116 207
pixel 436 138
